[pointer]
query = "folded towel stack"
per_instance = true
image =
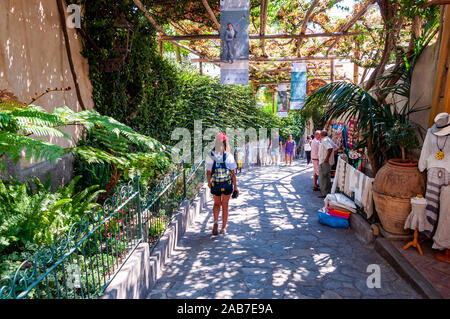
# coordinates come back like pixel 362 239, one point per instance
pixel 338 213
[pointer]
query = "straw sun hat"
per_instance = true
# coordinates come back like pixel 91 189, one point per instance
pixel 441 126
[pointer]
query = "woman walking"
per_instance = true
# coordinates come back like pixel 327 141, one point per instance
pixel 220 172
pixel 289 149
pixel 307 147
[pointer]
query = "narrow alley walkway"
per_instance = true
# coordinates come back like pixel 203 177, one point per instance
pixel 274 248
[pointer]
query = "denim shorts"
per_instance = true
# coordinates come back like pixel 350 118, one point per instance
pixel 275 151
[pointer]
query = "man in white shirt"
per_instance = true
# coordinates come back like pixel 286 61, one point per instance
pixel 326 160
pixel 315 144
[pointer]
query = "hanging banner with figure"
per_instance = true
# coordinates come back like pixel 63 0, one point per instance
pixel 298 86
pixel 282 103
pixel 234 35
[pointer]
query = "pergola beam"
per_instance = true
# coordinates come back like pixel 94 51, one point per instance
pixel 435 3
pixel 305 24
pixel 267 60
pixel 269 83
pixel 362 11
pixel 197 37
pixel 289 69
pixel 262 30
pixel 160 29
pixel 257 70
pixel 211 14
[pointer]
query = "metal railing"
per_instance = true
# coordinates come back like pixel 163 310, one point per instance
pixel 159 205
pixel 81 263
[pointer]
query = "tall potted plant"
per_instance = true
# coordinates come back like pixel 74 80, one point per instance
pixel 398 180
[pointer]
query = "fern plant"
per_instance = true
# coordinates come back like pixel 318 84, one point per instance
pixel 17 123
pixel 23 129
pixel 105 159
pixel 36 216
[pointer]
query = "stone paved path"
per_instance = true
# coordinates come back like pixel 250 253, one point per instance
pixel 274 248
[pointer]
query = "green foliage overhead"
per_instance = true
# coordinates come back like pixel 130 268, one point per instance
pixel 292 124
pixel 152 94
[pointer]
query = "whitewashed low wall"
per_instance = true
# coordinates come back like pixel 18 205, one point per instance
pixel 139 274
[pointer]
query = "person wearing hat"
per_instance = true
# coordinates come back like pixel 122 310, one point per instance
pixel 220 173
pixel 435 158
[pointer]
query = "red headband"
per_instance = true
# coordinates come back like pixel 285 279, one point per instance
pixel 222 136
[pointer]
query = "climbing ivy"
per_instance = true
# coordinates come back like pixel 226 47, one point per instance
pixel 151 93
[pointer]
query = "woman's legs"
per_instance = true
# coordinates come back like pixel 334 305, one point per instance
pixel 216 211
pixel 225 200
pixel 290 159
pixel 308 157
pixel 220 201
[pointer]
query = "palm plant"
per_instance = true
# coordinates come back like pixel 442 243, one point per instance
pixel 378 120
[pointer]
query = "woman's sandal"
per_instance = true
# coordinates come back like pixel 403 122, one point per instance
pixel 223 231
pixel 215 228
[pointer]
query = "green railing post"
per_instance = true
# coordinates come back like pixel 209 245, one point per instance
pixel 139 207
pixel 184 181
pixel 205 175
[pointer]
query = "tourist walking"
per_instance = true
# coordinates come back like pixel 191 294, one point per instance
pixel 315 144
pixel 275 147
pixel 220 173
pixel 289 149
pixel 307 148
pixel 326 160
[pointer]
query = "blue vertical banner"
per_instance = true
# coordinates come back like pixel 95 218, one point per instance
pixel 298 86
pixel 235 44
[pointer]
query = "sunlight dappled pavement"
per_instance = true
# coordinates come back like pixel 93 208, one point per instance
pixel 274 248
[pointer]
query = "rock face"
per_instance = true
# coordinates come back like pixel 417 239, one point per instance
pixel 394 186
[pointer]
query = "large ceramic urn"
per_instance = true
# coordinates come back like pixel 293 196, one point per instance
pixel 394 186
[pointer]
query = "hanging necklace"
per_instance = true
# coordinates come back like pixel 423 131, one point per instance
pixel 440 155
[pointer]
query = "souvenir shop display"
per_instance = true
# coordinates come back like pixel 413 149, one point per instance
pixel 352 135
pixel 351 190
pixel 435 158
pixel 442 237
pixel 332 221
pixel 353 184
pixel 346 140
pixel 338 134
pixel 416 220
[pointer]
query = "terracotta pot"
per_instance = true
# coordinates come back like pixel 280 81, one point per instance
pixel 394 186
